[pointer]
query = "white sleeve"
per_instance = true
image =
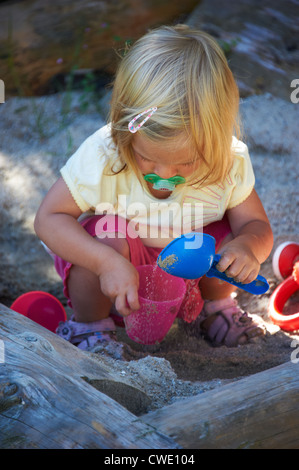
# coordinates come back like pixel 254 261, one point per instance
pixel 242 174
pixel 83 172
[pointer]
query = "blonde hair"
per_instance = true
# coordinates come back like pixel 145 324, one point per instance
pixel 185 74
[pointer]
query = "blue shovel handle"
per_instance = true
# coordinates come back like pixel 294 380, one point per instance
pixel 258 286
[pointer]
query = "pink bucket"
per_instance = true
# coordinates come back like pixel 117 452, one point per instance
pixel 160 298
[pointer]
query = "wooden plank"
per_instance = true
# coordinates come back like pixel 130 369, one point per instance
pixel 47 402
pixel 258 412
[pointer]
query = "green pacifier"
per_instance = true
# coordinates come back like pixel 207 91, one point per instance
pixel 164 184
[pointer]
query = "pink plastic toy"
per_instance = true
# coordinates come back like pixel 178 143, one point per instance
pixel 41 307
pixel 160 297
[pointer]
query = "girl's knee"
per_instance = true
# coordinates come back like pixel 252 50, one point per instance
pixel 112 231
pixel 118 243
pixel 78 274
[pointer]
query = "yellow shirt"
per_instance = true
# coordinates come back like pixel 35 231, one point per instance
pixel 94 188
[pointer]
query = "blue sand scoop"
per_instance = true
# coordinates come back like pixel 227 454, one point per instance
pixel 192 256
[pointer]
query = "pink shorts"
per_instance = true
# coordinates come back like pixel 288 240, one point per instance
pixel 141 254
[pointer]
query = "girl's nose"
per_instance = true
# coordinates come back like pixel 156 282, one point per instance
pixel 165 172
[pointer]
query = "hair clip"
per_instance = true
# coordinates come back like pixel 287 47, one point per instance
pixel 131 126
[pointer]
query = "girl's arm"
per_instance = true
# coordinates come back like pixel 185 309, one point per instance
pixel 252 243
pixel 57 226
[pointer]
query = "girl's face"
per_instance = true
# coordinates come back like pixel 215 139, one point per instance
pixel 164 159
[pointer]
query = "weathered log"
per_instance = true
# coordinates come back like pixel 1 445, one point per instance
pixel 40 39
pixel 257 412
pixel 47 400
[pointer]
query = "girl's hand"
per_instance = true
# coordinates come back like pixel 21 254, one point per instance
pixel 120 281
pixel 238 262
pixel 252 240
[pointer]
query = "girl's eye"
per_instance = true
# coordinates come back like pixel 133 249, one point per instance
pixel 142 158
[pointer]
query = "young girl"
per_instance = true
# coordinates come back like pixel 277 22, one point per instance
pixel 169 145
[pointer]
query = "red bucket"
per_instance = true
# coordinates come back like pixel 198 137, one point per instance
pixel 41 307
